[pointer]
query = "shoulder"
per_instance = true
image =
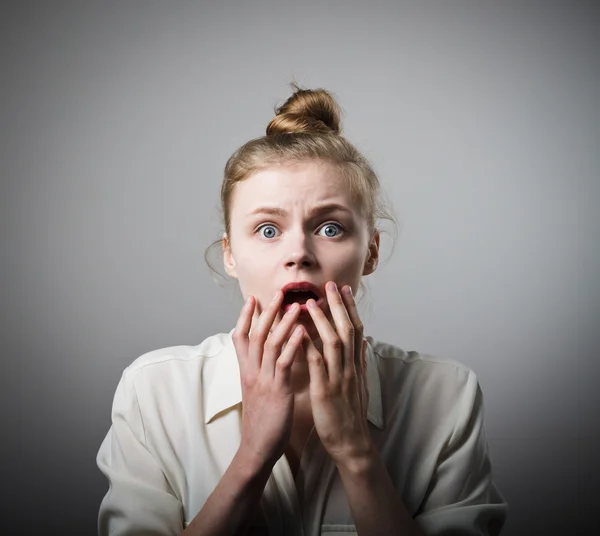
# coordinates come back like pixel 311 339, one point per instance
pixel 177 380
pixel 427 398
pixel 170 359
pixel 412 362
pixel 418 379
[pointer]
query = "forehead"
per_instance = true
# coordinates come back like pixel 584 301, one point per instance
pixel 293 184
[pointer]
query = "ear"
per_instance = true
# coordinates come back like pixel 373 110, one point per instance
pixel 373 255
pixel 228 260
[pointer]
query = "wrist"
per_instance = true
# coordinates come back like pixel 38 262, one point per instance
pixel 359 462
pixel 250 465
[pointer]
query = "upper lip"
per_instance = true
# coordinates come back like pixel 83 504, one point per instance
pixel 302 285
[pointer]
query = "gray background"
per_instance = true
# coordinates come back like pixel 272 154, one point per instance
pixel 482 120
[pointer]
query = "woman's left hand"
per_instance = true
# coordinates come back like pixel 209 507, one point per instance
pixel 338 383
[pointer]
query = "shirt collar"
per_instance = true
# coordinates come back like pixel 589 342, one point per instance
pixel 225 392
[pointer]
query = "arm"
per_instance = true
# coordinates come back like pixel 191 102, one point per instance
pixel 375 504
pixel 339 399
pixel 267 402
pixel 140 500
pixel 462 497
pixel 228 508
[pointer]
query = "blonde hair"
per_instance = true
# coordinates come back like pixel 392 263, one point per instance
pixel 306 127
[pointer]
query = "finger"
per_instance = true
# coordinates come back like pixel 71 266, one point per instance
pixel 363 379
pixel 344 327
pixel 352 310
pixel 275 341
pixel 364 356
pixel 332 343
pixel 255 318
pixel 316 367
pixel 283 365
pixel 260 331
pixel 240 335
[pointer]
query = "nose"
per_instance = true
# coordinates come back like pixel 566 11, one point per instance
pixel 299 253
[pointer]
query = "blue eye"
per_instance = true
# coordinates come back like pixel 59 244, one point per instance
pixel 268 226
pixel 332 230
pixel 333 226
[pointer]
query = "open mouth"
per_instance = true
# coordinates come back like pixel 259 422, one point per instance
pixel 299 296
pixel 300 293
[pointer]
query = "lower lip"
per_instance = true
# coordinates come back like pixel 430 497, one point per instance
pixel 303 306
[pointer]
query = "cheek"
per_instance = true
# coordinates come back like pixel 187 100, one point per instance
pixel 251 273
pixel 347 263
pixel 254 274
pixel 251 260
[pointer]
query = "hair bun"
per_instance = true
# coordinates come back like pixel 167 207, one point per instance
pixel 307 110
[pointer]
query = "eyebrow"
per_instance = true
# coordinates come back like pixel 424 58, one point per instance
pixel 315 211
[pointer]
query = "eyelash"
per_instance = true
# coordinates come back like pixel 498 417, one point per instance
pixel 340 227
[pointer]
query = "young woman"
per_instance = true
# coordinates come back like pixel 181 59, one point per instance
pixel 295 422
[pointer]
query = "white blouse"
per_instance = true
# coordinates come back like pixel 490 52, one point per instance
pixel 176 425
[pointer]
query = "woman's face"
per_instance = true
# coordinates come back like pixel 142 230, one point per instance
pixel 285 229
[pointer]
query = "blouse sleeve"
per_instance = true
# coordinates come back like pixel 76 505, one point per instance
pixel 139 500
pixel 462 499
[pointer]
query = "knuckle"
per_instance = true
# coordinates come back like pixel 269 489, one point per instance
pixel 238 336
pixel 336 343
pixel 281 365
pixel 349 331
pixel 351 377
pixel 271 345
pixel 319 394
pixel 314 357
pixel 254 335
pixel 359 328
pixel 247 381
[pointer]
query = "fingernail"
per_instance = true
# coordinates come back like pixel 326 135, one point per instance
pixel 275 297
pixel 347 290
pixel 332 286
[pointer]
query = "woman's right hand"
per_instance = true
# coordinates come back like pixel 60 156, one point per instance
pixel 265 370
